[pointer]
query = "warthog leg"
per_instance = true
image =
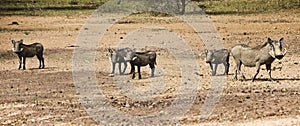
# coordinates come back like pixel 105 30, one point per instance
pixel 268 67
pixel 257 71
pixel 214 70
pixel 113 70
pixel 24 62
pixel 125 67
pixel 226 65
pixel 120 71
pixel 152 69
pixel 152 72
pixel 133 71
pixel 20 62
pixel 41 60
pixel 139 71
pixel 238 69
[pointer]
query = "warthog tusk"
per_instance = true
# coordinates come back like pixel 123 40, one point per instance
pixel 272 54
pixel 134 58
pixel 14 50
pixel 213 60
pixel 284 52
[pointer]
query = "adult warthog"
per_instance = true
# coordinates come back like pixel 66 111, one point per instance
pixel 23 51
pixel 257 56
pixel 143 59
pixel 122 55
pixel 217 57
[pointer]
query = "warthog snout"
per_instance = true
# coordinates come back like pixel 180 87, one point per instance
pixel 277 51
pixel 207 61
pixel 16 48
pixel 279 56
pixel 208 56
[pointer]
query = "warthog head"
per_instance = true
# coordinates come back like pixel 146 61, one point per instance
pixel 124 54
pixel 17 47
pixel 112 55
pixel 209 56
pixel 276 50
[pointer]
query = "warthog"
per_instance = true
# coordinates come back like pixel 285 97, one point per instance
pixel 31 50
pixel 217 57
pixel 143 59
pixel 123 55
pixel 257 56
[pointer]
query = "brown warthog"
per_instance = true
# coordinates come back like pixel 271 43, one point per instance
pixel 257 56
pixel 23 51
pixel 217 57
pixel 122 55
pixel 143 59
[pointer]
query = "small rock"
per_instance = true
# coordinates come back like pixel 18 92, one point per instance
pixel 14 23
pixel 199 74
pixel 283 90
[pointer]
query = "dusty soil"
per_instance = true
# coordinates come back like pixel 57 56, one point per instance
pixel 48 96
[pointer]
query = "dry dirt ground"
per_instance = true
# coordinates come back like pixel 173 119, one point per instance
pixel 48 96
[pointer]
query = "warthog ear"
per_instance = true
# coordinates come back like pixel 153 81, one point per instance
pixel 281 40
pixel 110 50
pixel 21 41
pixel 13 41
pixel 269 40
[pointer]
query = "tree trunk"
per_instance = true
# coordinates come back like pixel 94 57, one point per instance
pixel 183 6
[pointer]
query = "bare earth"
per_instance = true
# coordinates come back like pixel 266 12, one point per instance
pixel 48 96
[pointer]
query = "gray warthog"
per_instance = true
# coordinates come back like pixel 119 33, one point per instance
pixel 257 56
pixel 122 55
pixel 143 59
pixel 217 57
pixel 31 50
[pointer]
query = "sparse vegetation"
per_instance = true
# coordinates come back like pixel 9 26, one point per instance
pixel 86 7
pixel 49 7
pixel 247 6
